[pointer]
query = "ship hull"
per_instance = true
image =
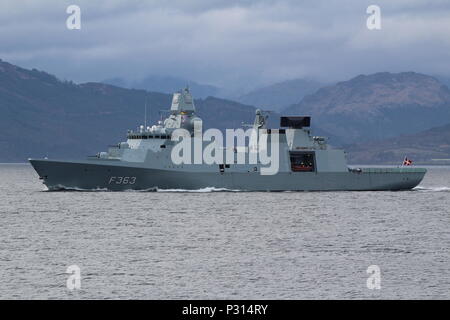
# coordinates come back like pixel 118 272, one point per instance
pixel 114 176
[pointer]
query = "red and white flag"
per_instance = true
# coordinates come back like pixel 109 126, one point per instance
pixel 407 162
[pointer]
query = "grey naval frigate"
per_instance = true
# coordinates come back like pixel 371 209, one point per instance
pixel 145 161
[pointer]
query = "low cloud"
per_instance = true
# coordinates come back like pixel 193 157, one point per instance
pixel 226 43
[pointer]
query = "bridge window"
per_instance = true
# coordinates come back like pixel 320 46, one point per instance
pixel 303 161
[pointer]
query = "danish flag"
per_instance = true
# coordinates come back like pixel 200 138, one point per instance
pixel 407 162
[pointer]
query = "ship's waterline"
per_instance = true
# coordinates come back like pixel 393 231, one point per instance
pixel 93 176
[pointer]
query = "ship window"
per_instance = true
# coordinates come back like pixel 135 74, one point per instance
pixel 156 137
pixel 302 161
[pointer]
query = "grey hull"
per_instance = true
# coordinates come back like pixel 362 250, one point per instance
pixel 89 175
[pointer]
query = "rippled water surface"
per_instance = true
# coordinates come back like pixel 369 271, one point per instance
pixel 223 245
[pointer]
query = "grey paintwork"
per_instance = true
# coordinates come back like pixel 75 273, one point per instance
pixel 145 164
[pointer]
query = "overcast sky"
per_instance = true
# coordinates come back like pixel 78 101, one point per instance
pixel 225 42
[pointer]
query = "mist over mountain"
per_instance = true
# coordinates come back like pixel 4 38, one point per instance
pixel 41 115
pixel 280 95
pixel 118 82
pixel 378 106
pixel 444 80
pixel 166 84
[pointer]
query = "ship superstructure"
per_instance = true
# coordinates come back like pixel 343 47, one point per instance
pixel 145 161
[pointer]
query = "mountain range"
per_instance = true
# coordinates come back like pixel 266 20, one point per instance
pixel 378 118
pixel 274 97
pixel 41 115
pixel 166 84
pixel 278 96
pixel 377 106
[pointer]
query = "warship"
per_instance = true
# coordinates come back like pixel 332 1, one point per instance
pixel 145 161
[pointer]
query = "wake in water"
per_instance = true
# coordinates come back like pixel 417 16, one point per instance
pixel 210 189
pixel 432 189
pixel 202 190
pixel 63 188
